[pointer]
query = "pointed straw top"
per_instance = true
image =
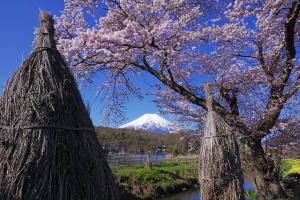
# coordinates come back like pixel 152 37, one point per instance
pixel 209 98
pixel 50 150
pixel 46 31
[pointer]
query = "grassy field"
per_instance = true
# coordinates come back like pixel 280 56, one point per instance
pixel 171 177
pixel 290 166
pixel 163 179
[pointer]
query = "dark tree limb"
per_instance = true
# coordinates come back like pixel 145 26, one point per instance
pixel 178 88
pixel 276 97
pixel 231 100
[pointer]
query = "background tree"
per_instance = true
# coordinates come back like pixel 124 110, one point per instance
pixel 248 48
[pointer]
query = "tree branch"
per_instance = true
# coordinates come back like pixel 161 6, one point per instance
pixel 232 100
pixel 261 59
pixel 277 98
pixel 178 88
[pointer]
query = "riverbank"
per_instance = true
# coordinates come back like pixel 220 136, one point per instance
pixel 175 177
pixel 162 180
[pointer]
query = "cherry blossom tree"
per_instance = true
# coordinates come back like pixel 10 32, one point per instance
pixel 247 49
pixel 259 41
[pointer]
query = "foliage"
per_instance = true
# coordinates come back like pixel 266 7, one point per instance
pixel 185 169
pixel 163 179
pixel 290 166
pixel 250 195
pixel 134 141
pixel 163 175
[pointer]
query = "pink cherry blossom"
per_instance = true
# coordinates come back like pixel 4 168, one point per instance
pixel 242 48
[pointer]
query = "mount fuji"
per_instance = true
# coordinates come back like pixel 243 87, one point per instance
pixel 152 123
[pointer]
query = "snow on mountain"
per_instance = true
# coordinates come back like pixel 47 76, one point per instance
pixel 151 123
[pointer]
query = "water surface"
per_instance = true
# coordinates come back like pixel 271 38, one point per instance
pixel 191 195
pixel 133 159
pixel 195 195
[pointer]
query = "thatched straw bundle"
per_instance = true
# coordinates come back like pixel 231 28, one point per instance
pixel 220 171
pixel 48 147
pixel 148 163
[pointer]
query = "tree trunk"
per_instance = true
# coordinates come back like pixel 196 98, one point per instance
pixel 259 170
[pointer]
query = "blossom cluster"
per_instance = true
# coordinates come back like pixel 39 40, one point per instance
pixel 241 48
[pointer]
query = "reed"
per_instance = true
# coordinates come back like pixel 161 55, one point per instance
pixel 220 174
pixel 48 146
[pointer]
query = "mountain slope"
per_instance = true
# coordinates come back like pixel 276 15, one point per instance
pixel 151 123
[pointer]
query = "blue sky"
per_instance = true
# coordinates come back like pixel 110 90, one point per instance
pixel 18 18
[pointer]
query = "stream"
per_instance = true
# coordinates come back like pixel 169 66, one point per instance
pixel 195 195
pixel 190 195
pixel 139 160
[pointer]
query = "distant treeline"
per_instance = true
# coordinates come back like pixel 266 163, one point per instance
pixel 133 141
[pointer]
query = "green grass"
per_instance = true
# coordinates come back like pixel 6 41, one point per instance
pixel 166 177
pixel 161 179
pixel 184 169
pixel 251 195
pixel 290 166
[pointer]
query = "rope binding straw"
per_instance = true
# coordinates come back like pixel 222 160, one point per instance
pixel 47 127
pixel 210 108
pixel 41 48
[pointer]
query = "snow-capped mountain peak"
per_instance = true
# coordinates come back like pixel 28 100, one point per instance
pixel 152 123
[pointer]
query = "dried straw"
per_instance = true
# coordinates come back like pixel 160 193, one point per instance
pixel 48 147
pixel 220 170
pixel 148 163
